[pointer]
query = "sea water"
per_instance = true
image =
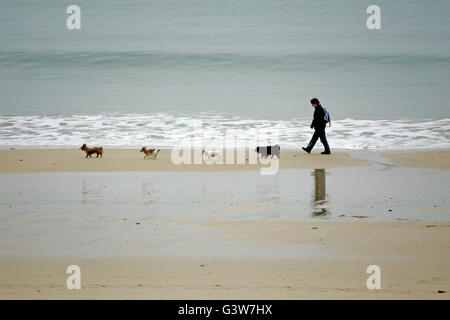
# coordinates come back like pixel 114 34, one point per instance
pixel 139 72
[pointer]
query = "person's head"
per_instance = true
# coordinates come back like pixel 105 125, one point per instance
pixel 315 102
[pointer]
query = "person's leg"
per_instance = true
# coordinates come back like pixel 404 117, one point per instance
pixel 323 139
pixel 313 141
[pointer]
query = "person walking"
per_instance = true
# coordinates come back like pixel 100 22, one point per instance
pixel 320 120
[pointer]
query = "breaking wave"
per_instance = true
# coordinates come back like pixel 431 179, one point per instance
pixel 168 130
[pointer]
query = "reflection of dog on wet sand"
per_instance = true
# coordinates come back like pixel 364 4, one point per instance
pixel 150 153
pixel 264 152
pixel 90 151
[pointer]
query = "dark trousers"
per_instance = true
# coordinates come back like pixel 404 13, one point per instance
pixel 319 133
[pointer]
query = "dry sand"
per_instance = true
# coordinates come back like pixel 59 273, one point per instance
pixel 61 160
pixel 57 160
pixel 413 258
pixel 429 159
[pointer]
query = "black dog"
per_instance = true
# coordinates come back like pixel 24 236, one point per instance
pixel 269 151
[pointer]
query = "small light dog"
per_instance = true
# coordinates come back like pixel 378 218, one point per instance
pixel 150 153
pixel 211 154
pixel 90 151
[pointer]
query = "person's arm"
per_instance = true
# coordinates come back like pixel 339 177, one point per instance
pixel 314 122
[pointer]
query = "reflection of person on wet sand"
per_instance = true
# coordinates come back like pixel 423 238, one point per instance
pixel 319 201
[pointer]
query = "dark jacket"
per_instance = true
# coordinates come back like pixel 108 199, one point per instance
pixel 318 122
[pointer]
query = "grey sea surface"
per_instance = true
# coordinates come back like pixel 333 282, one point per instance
pixel 252 59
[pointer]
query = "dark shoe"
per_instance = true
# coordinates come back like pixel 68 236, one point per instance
pixel 326 152
pixel 304 149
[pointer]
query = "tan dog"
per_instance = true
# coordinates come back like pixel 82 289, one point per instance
pixel 150 152
pixel 90 151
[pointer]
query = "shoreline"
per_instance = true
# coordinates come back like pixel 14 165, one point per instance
pixel 284 149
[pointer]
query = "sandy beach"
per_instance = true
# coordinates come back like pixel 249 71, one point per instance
pixel 413 258
pixel 66 160
pixel 436 159
pixel 72 160
pixel 148 229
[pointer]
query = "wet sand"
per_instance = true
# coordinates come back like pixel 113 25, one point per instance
pixel 163 234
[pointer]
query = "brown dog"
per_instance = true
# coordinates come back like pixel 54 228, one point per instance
pixel 150 152
pixel 90 151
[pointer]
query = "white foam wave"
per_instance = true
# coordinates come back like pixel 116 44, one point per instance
pixel 168 130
